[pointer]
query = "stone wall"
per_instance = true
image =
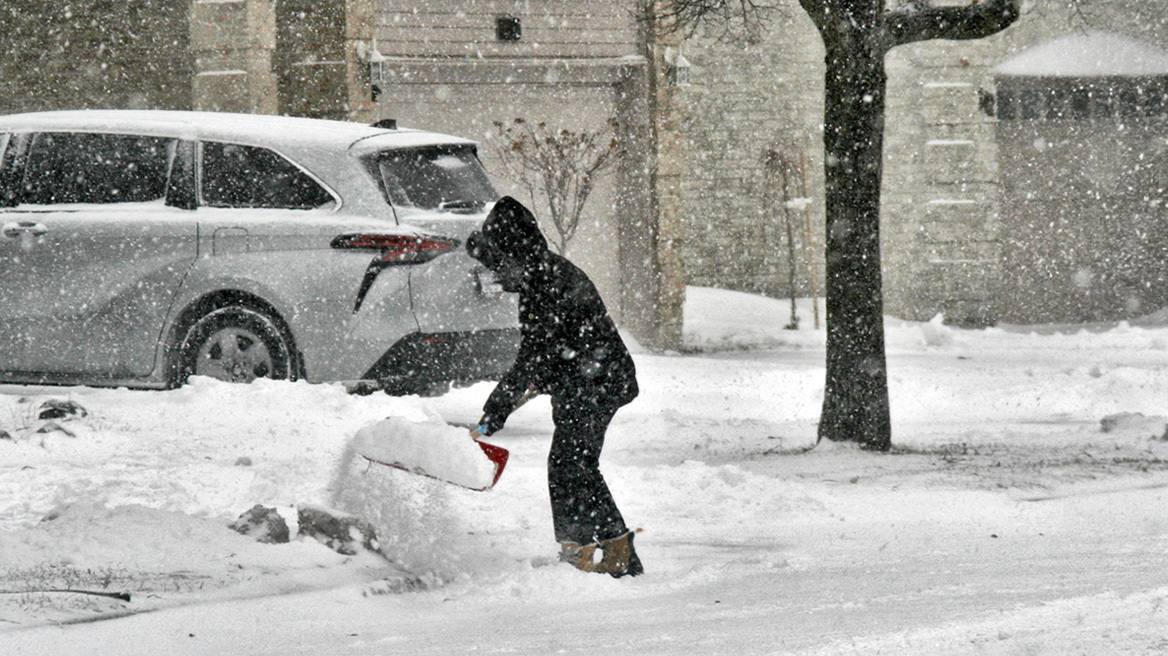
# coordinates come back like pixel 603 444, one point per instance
pixel 746 100
pixel 940 196
pixel 564 29
pixel 232 44
pixel 75 54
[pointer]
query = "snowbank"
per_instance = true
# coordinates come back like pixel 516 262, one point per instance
pixel 1021 510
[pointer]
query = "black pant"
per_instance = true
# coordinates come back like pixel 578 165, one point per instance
pixel 583 509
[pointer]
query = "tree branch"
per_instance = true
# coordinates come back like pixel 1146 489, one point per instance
pixel 920 21
pixel 817 10
pixel 732 18
pixel 123 596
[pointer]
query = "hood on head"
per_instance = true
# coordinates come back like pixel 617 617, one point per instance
pixel 513 230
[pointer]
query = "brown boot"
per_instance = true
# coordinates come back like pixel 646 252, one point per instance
pixel 620 559
pixel 580 556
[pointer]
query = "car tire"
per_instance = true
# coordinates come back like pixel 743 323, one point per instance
pixel 237 344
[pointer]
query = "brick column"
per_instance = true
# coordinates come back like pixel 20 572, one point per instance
pixel 232 43
pixel 669 164
pixel 359 45
pixel 640 282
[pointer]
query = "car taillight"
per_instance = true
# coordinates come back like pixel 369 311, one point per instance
pixel 396 249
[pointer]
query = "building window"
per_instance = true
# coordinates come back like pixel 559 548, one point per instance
pixel 508 28
pixel 1082 100
pixel 1080 105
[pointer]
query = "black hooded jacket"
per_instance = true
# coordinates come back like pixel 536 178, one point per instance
pixel 570 347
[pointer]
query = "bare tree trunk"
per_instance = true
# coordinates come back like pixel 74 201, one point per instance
pixel 778 192
pixel 856 35
pixel 855 404
pixel 789 224
pixel 809 246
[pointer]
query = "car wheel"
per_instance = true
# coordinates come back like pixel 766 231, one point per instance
pixel 237 344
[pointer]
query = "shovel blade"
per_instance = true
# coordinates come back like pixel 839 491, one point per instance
pixel 497 456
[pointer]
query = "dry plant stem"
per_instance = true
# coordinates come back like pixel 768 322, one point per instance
pixel 124 596
pixel 562 164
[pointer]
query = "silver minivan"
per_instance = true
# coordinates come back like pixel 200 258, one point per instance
pixel 139 248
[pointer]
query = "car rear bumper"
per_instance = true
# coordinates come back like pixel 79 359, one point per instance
pixel 421 359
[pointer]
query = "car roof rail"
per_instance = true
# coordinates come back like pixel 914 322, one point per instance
pixel 386 124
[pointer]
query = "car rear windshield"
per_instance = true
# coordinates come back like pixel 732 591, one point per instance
pixel 446 178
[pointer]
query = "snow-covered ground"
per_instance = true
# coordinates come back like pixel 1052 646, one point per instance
pixel 1021 512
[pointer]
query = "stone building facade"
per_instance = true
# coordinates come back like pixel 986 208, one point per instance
pixel 747 104
pixel 946 248
pixel 1083 165
pixel 66 55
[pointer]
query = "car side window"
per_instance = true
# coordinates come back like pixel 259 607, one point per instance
pixel 7 162
pixel 66 167
pixel 233 175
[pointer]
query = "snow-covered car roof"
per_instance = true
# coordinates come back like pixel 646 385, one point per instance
pixel 250 129
pixel 328 149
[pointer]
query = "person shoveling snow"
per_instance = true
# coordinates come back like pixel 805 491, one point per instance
pixel 571 350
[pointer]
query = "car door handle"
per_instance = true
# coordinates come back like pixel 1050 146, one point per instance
pixel 15 230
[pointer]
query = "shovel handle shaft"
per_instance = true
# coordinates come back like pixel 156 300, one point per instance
pixel 530 394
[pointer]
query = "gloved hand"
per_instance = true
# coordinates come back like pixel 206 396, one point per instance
pixel 489 424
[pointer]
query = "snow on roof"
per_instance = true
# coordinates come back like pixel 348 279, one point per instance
pixel 1090 54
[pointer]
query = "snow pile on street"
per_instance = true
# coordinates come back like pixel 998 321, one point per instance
pixel 417 527
pixel 156 557
pixel 1021 510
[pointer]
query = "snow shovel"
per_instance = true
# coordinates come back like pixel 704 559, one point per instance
pixel 435 449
